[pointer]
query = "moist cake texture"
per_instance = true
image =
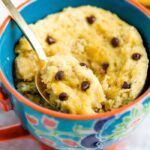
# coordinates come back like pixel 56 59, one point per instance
pixel 97 62
pixel 144 2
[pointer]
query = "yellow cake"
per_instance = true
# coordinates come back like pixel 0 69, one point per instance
pixel 97 62
pixel 144 2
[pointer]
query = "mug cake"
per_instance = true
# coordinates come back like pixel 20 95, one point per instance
pixel 96 61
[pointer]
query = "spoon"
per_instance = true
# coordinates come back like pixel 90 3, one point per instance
pixel 34 43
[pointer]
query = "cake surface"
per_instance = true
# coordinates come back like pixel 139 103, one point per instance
pixel 144 2
pixel 96 61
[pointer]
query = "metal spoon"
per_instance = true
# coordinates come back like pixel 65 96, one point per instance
pixel 34 43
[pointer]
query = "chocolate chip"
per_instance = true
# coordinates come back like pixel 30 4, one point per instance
pixel 136 56
pixel 63 96
pixel 97 110
pixel 126 85
pixel 115 42
pixel 83 64
pixel 59 75
pixel 103 107
pixel 104 67
pixel 91 19
pixel 85 85
pixel 50 40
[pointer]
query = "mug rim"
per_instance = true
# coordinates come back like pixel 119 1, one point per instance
pixel 61 115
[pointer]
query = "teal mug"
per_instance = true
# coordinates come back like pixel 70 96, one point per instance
pixel 67 131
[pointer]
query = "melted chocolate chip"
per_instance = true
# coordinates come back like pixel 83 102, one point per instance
pixel 126 85
pixel 83 64
pixel 115 42
pixel 104 67
pixel 50 40
pixel 96 109
pixel 85 85
pixel 63 96
pixel 136 56
pixel 59 75
pixel 91 19
pixel 103 107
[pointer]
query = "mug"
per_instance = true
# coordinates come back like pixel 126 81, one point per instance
pixel 67 131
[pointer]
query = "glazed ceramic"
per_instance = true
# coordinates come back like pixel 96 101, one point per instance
pixel 64 131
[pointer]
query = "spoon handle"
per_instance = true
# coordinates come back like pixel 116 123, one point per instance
pixel 25 29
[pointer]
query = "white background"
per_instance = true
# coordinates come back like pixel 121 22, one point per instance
pixel 139 140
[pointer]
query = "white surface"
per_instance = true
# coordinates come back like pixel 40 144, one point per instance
pixel 139 140
pixel 4 12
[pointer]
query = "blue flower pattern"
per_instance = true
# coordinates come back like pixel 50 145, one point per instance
pixel 95 135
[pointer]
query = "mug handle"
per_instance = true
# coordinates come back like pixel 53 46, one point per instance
pixel 12 131
pixel 16 131
pixel 5 103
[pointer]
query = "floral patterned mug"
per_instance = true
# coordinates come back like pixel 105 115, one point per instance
pixel 66 131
